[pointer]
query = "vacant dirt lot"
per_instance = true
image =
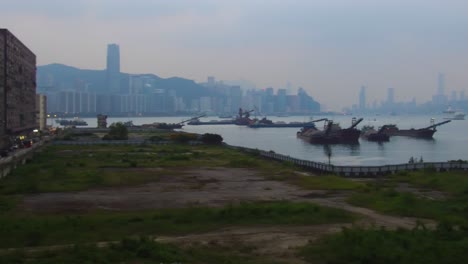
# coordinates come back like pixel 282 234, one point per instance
pixel 210 187
pixel 217 187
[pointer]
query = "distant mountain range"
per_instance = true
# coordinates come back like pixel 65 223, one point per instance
pixel 63 77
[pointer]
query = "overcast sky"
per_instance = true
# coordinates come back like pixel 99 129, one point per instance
pixel 329 47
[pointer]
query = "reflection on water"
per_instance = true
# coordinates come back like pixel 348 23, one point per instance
pixel 328 152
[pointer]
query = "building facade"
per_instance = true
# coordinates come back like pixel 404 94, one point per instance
pixel 17 86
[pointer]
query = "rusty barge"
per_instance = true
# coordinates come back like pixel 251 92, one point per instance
pixel 331 134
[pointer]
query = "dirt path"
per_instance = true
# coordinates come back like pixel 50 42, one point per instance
pixel 372 217
pixel 275 242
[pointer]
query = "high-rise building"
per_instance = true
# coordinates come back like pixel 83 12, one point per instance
pixel 211 81
pixel 113 69
pixel 17 87
pixel 440 98
pixel 453 96
pixel 281 101
pixel 441 84
pixel 362 98
pixel 390 96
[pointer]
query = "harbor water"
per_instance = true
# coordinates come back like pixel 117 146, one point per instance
pixel 449 142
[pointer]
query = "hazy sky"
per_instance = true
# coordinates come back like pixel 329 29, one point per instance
pixel 329 47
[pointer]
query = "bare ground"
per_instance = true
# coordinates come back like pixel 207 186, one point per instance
pixel 217 187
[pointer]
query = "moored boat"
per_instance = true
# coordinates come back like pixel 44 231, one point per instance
pixel 370 134
pixel 281 124
pixel 72 122
pixel 456 116
pixel 197 122
pixel 426 132
pixel 331 134
pixel 243 118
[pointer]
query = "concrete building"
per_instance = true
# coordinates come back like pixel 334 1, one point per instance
pixel 17 87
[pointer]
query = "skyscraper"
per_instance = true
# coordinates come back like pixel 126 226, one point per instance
pixel 440 98
pixel 113 69
pixel 390 96
pixel 362 98
pixel 441 84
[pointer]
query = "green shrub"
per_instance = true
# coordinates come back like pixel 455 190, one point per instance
pixel 183 137
pixel 208 138
pixel 419 245
pixel 118 131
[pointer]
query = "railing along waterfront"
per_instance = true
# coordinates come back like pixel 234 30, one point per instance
pixel 359 171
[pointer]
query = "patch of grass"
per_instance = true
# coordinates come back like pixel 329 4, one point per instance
pixel 407 204
pixel 327 182
pixel 245 162
pixel 24 229
pixel 75 168
pixel 385 198
pixel 453 182
pixel 420 245
pixel 7 203
pixel 136 250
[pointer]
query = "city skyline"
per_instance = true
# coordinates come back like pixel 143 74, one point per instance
pixel 327 47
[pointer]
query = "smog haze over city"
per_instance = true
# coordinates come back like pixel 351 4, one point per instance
pixel 330 48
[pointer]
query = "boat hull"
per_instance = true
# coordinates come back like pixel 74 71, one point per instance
pixel 374 136
pixel 343 136
pixel 280 125
pixel 417 133
pixel 201 123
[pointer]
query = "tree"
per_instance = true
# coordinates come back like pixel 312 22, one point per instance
pixel 117 131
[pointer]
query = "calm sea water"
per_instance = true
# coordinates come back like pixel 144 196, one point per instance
pixel 449 143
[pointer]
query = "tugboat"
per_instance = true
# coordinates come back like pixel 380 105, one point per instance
pixel 426 132
pixel 331 134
